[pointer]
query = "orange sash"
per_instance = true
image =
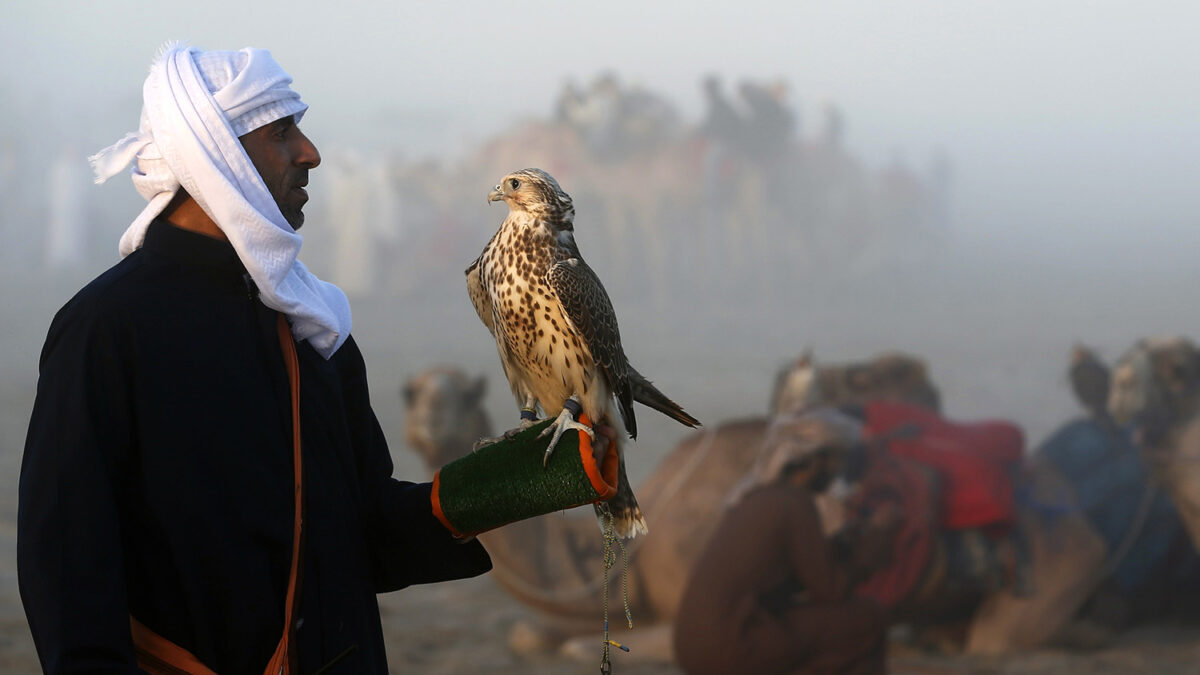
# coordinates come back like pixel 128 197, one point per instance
pixel 159 656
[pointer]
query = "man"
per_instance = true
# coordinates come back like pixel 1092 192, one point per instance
pixel 159 500
pixel 768 595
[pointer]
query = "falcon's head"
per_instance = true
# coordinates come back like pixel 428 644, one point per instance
pixel 535 192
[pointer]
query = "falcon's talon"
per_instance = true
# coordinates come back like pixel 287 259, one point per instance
pixel 516 430
pixel 508 435
pixel 561 423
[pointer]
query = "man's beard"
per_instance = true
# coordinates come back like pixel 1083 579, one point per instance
pixel 294 217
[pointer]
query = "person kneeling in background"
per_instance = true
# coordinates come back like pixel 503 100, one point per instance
pixel 771 594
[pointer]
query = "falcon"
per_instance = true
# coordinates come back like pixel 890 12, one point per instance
pixel 555 327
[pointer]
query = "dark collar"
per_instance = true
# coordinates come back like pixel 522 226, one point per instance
pixel 191 249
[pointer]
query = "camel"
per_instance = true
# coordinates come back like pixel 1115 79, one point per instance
pixel 445 414
pixel 553 563
pixel 1156 388
pixel 891 376
pixel 1067 563
pixel 1067 557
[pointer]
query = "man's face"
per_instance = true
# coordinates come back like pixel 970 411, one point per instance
pixel 283 155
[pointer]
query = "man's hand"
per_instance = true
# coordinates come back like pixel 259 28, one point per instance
pixel 876 539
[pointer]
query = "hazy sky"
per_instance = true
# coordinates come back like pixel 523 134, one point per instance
pixel 1082 117
pixel 1073 127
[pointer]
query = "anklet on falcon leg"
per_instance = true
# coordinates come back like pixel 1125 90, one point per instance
pixel 528 419
pixel 529 412
pixel 565 420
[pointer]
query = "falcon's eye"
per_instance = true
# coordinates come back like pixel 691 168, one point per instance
pixel 514 183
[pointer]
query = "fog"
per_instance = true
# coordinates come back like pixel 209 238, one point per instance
pixel 1065 208
pixel 1070 130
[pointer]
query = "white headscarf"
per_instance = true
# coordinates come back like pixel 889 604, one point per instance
pixel 195 106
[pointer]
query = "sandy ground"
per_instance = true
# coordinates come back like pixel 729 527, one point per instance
pixel 996 342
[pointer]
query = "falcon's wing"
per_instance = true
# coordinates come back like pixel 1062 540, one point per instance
pixel 479 295
pixel 586 305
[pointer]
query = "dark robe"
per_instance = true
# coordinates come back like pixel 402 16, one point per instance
pixel 157 479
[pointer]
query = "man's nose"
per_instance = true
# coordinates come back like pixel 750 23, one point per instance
pixel 307 155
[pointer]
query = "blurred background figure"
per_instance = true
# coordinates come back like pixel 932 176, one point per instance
pixel 364 209
pixel 8 187
pixel 771 123
pixel 722 123
pixel 833 130
pixel 770 594
pixel 67 199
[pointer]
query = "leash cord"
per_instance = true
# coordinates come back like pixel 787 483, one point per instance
pixel 610 558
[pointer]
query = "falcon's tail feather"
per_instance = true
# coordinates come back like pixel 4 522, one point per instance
pixel 625 406
pixel 648 395
pixel 627 521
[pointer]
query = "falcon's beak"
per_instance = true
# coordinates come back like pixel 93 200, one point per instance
pixel 496 195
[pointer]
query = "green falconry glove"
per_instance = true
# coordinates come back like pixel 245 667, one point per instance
pixel 506 481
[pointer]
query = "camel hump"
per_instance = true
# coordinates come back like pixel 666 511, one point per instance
pixel 890 376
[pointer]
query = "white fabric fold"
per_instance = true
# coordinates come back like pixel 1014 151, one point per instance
pixel 195 106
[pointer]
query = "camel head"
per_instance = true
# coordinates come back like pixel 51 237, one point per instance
pixel 1155 382
pixel 444 415
pixel 890 376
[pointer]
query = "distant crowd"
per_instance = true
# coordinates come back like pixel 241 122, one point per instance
pixel 744 189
